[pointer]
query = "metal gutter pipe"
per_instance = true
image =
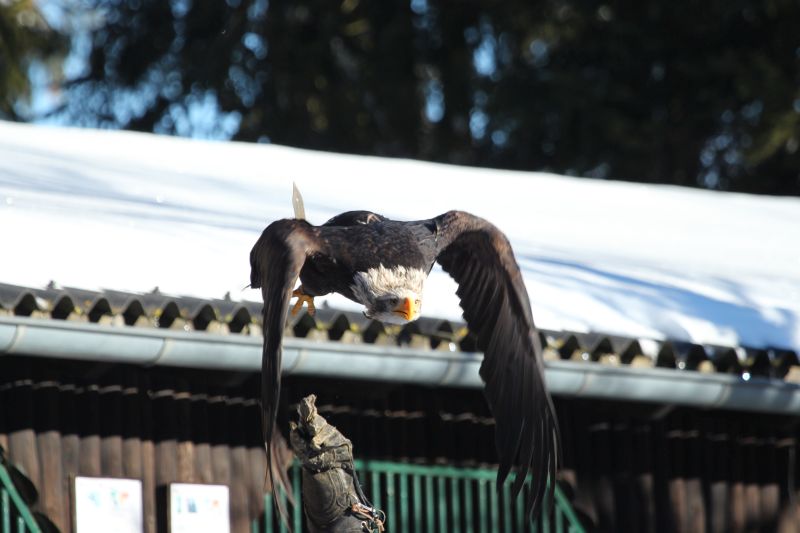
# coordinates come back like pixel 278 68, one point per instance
pixel 145 346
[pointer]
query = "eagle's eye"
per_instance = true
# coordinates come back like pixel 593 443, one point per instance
pixel 394 300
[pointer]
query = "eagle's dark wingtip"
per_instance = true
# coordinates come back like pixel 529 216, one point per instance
pixel 276 260
pixel 497 308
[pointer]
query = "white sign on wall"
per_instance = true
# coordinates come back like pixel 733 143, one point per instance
pixel 108 504
pixel 195 508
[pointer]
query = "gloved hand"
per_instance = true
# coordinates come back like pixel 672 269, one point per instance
pixel 332 498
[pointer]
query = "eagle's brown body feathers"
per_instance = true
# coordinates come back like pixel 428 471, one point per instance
pixel 493 297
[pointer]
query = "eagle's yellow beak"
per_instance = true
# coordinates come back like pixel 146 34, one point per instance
pixel 408 309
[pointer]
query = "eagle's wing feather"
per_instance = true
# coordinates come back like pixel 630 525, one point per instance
pixel 496 307
pixel 275 262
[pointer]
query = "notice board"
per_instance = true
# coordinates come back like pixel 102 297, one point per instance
pixel 103 504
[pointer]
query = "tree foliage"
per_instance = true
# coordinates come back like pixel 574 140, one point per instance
pixel 701 94
pixel 25 36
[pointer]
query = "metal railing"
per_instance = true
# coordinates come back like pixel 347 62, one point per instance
pixel 15 517
pixel 429 499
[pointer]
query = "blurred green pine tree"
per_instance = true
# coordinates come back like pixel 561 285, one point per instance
pixel 698 94
pixel 25 36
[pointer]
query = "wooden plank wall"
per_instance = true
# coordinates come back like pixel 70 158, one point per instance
pixel 682 471
pixel 628 467
pixel 62 419
pixel 635 468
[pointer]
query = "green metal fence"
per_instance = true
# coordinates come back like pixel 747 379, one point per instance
pixel 15 517
pixel 431 499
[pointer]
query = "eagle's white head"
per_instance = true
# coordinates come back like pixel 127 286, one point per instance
pixel 391 295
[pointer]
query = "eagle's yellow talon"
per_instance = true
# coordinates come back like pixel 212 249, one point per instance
pixel 301 299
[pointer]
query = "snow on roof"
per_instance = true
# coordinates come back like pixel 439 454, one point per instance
pixel 130 211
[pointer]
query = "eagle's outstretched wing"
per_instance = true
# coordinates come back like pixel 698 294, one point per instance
pixel 496 307
pixel 276 261
pixel 275 264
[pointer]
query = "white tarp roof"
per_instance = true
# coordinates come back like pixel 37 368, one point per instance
pixel 127 211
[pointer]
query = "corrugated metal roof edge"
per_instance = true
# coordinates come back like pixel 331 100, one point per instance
pixel 224 316
pixel 93 342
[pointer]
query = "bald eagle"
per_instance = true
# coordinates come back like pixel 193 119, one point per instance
pixel 383 264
